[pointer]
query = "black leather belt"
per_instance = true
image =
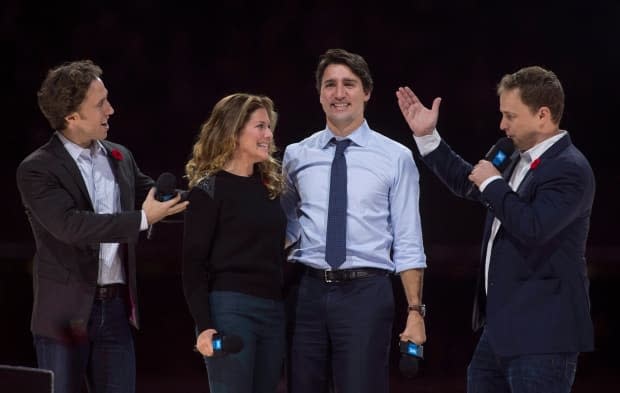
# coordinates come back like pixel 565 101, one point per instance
pixel 345 274
pixel 110 291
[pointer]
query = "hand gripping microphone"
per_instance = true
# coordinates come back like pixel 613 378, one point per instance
pixel 223 345
pixel 410 356
pixel 499 155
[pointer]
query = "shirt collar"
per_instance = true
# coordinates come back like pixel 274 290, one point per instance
pixel 75 150
pixel 359 136
pixel 538 150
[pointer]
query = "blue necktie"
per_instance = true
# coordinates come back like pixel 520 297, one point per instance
pixel 336 241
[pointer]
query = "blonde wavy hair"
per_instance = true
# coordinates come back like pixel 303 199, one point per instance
pixel 218 137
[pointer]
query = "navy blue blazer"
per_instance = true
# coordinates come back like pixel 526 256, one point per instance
pixel 538 289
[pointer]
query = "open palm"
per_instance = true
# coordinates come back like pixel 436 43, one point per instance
pixel 421 120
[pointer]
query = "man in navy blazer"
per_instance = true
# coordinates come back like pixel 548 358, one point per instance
pixel 532 298
pixel 80 194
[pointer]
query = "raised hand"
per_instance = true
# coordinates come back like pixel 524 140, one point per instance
pixel 421 120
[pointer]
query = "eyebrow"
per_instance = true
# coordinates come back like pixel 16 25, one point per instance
pixel 346 80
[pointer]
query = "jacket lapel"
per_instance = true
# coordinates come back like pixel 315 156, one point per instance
pixel 553 151
pixel 72 169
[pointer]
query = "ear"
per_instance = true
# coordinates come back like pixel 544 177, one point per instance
pixel 544 113
pixel 72 117
pixel 367 95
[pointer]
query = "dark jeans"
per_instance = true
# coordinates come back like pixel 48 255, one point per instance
pixel 544 373
pixel 345 326
pixel 103 352
pixel 260 324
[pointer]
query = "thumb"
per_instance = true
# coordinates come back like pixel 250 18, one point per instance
pixel 436 103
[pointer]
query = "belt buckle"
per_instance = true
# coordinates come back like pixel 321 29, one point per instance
pixel 326 276
pixel 103 292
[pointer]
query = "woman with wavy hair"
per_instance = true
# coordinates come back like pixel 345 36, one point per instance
pixel 233 245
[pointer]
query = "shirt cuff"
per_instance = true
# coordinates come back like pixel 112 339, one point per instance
pixel 144 224
pixel 428 143
pixel 487 182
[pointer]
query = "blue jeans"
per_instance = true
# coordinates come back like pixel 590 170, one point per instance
pixel 104 354
pixel 341 332
pixel 544 373
pixel 260 324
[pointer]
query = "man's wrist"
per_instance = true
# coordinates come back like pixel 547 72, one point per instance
pixel 419 308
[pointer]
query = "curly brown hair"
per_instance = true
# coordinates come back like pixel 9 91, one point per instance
pixel 64 89
pixel 218 136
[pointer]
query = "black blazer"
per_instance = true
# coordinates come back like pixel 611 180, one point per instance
pixel 67 233
pixel 538 289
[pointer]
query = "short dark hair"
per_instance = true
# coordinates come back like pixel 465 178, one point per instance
pixel 64 89
pixel 538 87
pixel 355 62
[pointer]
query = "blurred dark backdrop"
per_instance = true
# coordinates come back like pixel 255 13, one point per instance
pixel 166 65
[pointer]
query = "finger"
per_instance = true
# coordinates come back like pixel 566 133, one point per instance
pixel 151 194
pixel 403 97
pixel 411 95
pixel 435 107
pixel 402 103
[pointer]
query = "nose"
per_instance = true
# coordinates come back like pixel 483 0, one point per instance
pixel 502 124
pixel 340 90
pixel 109 110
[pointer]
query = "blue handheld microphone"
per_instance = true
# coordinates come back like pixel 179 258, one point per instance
pixel 225 344
pixel 411 354
pixel 500 155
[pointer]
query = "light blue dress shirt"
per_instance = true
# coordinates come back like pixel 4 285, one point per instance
pixel 383 218
pixel 104 194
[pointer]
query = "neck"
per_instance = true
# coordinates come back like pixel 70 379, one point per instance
pixel 344 129
pixel 75 139
pixel 239 168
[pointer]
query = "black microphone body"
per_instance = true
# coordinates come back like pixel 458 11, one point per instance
pixel 411 354
pixel 165 189
pixel 226 344
pixel 500 155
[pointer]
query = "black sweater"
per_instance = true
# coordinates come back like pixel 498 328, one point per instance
pixel 232 242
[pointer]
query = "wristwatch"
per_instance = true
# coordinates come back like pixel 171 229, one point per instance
pixel 420 308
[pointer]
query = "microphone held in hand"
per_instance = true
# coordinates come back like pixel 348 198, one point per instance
pixel 500 153
pixel 225 344
pixel 165 187
pixel 410 356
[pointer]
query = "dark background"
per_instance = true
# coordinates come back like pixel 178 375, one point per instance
pixel 166 65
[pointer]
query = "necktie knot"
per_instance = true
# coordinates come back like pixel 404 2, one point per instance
pixel 341 146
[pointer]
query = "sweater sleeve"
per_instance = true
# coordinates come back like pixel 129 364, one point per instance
pixel 198 234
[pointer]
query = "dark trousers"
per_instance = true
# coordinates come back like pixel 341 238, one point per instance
pixel 103 352
pixel 259 322
pixel 341 331
pixel 548 373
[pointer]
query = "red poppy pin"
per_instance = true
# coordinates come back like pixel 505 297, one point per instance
pixel 118 156
pixel 534 164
